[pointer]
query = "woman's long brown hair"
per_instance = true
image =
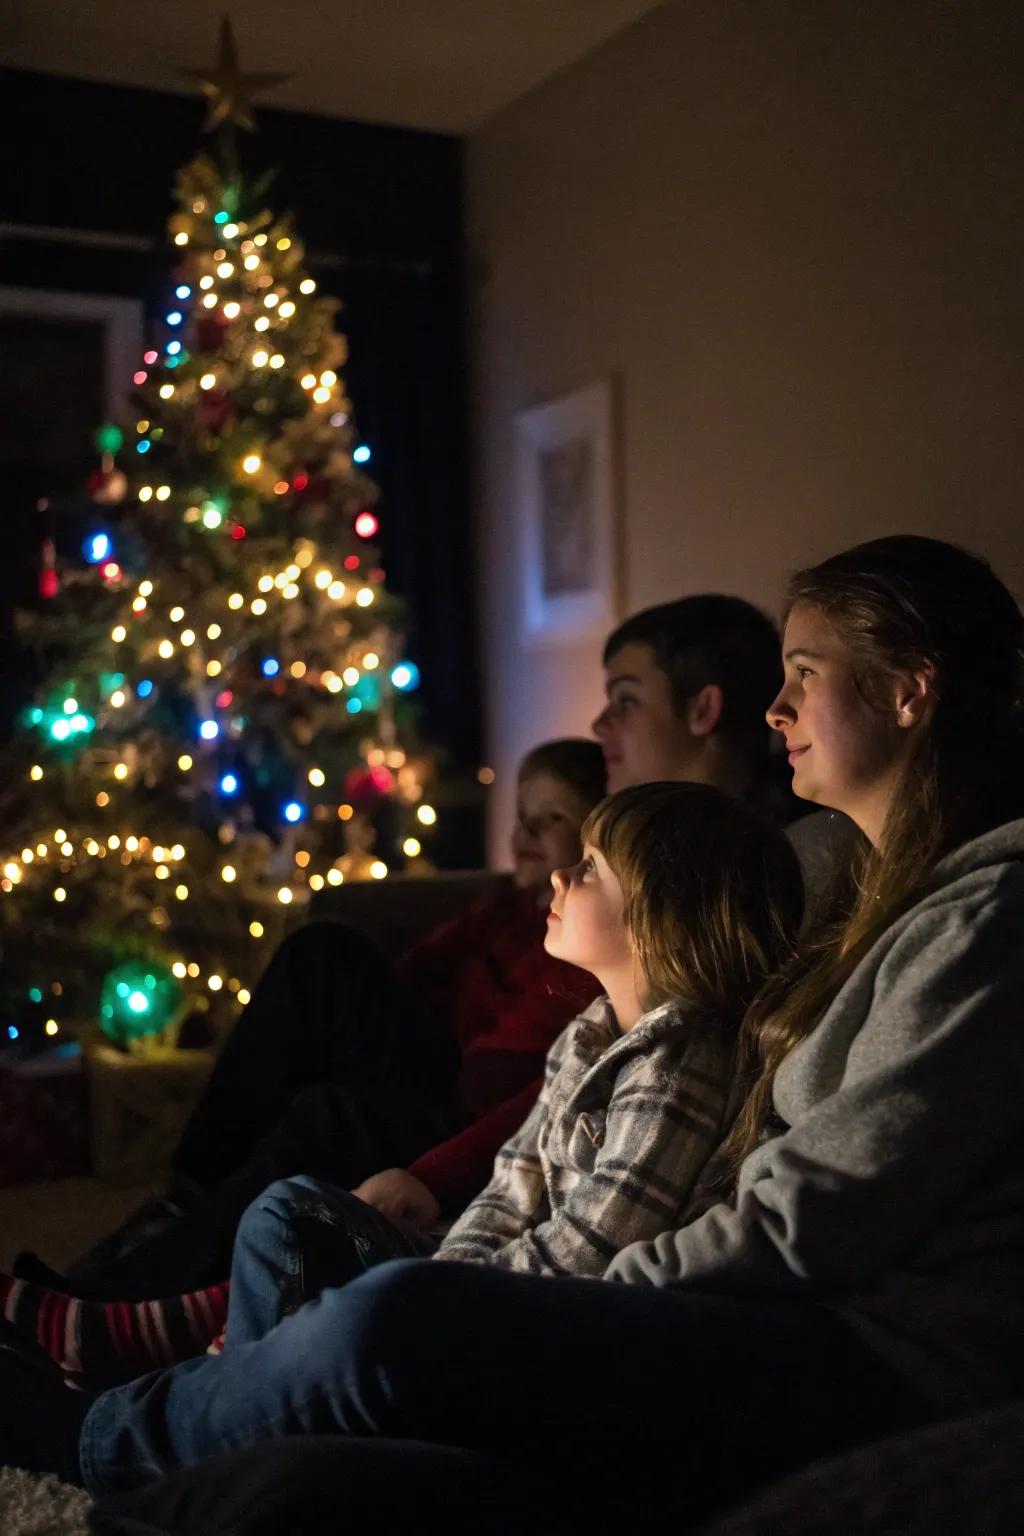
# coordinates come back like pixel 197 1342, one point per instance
pixel 902 604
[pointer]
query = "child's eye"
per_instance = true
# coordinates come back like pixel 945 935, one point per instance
pixel 805 672
pixel 584 867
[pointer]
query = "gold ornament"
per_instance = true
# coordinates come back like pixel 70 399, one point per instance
pixel 227 89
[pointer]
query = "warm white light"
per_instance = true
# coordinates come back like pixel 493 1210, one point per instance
pixel 251 262
pixel 165 649
pixel 307 285
pixel 364 597
pixel 277 361
pixel 308 380
pixel 184 762
pixel 272 300
pixel 166 391
pixel 163 492
pixel 260 359
pixel 290 591
pixel 244 995
pixel 323 578
pixel 181 238
pixel 336 590
pixel 209 301
pixel 181 891
pixel 261 323
pixel 35 772
pixel 179 969
pixel 284 895
pixel 351 676
pixel 378 870
pixel 236 600
pixel 212 631
pixel 335 877
pixel 228 873
pixel 60 894
pixel 232 310
pixel 256 929
pixel 316 882
pixel 321 395
pixel 213 668
pixel 317 777
pixel 266 584
pixel 188 637
pixel 287 310
pixel 120 770
pixel 215 983
pixel 426 814
pixel 118 634
pixel 207 381
pixel 371 661
pixel 258 606
pixel 298 669
pixel 412 847
pixel 206 282
pixel 225 269
pixel 51 1026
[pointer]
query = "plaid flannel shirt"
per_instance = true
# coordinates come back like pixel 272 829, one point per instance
pixel 611 1151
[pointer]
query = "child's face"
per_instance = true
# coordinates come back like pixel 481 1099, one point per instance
pixel 586 924
pixel 546 834
pixel 641 735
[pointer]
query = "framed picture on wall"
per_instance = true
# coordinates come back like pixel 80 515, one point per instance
pixel 565 497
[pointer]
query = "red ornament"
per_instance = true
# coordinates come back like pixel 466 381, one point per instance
pixel 49 583
pixel 363 790
pixel 209 333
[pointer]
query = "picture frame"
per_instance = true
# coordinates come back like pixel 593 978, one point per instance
pixel 565 489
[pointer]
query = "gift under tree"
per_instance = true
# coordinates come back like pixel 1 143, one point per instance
pixel 221 729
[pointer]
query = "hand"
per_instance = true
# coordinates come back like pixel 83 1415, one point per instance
pixel 400 1196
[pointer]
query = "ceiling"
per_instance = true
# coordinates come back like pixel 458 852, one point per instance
pixel 443 65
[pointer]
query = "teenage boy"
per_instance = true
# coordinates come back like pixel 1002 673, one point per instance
pixel 687 686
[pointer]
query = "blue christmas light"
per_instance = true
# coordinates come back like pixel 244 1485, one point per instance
pixel 361 455
pixel 172 362
pixel 173 348
pixel 138 1002
pixel 183 291
pixel 209 730
pixel 144 688
pixel 354 706
pixel 36 715
pixel 143 445
pixel 60 730
pixel 80 722
pixel 221 217
pixel 97 547
pixel 405 676
pixel 293 811
pixel 271 666
pixel 174 318
pixel 229 784
pixel 35 994
pixel 12 1033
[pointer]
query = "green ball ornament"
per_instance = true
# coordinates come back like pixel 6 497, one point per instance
pixel 109 438
pixel 137 999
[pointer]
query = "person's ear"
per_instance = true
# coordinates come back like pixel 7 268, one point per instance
pixel 914 697
pixel 704 710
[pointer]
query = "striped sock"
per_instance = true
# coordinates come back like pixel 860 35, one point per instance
pixel 106 1342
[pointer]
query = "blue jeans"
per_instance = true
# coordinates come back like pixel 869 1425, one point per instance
pixel 720 1393
pixel 302 1237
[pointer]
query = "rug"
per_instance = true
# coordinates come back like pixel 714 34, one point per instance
pixel 32 1505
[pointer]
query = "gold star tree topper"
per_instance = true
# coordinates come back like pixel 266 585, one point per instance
pixel 227 90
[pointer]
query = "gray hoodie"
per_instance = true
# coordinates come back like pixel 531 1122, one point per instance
pixel 896 1198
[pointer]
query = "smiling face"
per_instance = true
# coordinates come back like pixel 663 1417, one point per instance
pixel 546 834
pixel 844 752
pixel 642 737
pixel 586 924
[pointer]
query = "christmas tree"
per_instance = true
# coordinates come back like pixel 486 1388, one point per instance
pixel 222 730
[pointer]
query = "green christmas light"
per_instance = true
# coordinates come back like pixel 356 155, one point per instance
pixel 136 1000
pixel 109 438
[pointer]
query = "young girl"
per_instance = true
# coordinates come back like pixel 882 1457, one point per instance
pixel 681 905
pixel 865 1273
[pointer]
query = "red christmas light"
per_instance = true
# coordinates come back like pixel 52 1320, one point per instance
pixel 238 532
pixel 149 357
pixel 224 699
pixel 111 571
pixel 366 525
pixel 140 377
pixel 299 482
pixel 351 562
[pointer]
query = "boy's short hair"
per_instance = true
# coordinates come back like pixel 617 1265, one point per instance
pixel 712 638
pixel 577 762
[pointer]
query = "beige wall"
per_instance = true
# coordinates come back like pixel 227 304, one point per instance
pixel 791 229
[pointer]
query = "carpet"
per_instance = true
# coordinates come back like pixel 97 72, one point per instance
pixel 32 1505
